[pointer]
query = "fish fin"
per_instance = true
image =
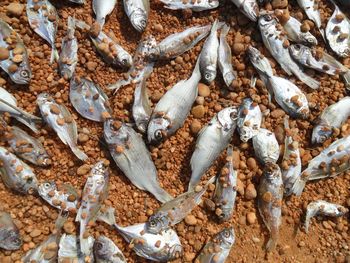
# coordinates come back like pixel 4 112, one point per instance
pixel 70 189
pixel 61 219
pixel 81 24
pixel 161 195
pixel 79 153
pixel 54 55
pixel 311 82
pixel 101 22
pixel 73 130
pixel 224 30
pixel 298 186
pixel 107 216
pixel 271 244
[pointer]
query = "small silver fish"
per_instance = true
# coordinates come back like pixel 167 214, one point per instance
pixel 94 193
pixel 89 100
pixel 196 6
pixel 312 11
pixel 10 238
pixel 212 140
pixel 218 249
pixel 69 250
pixel 323 208
pixel 173 108
pixel 132 156
pixel 224 58
pixel 16 49
pixel 270 195
pixel 15 174
pixel 249 8
pixel 138 12
pixel 8 103
pixel 43 19
pixel 225 190
pixel 105 251
pixel 69 51
pixel 332 161
pixel 249 119
pixel 338 32
pixel 276 42
pixel 266 147
pixel 103 8
pixel 334 116
pixel 65 199
pixel 291 163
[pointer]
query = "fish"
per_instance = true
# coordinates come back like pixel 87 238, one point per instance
pixel 208 57
pixel 218 248
pixel 43 19
pixel 102 9
pixel 249 119
pixel 94 193
pixel 131 155
pixel 162 247
pixel 211 141
pixel 291 163
pixel 333 117
pixel 337 32
pixel 270 195
pixel 331 161
pixel 89 100
pixel 58 117
pixel 249 8
pixel 69 51
pixel 277 43
pixel 105 251
pixel 10 238
pixel 16 65
pixel 68 251
pixel 8 103
pixel 16 174
pixel 312 11
pixel 226 189
pixel 323 208
pixel 173 108
pixel 174 211
pixel 81 2
pixel 138 12
pixel 266 147
pixel 196 6
pixel 65 198
pixel 287 94
pixel 224 58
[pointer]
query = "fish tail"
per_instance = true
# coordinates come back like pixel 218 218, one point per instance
pixel 298 186
pixel 61 219
pixel 107 216
pixel 54 55
pixel 81 24
pixel 312 83
pixel 272 243
pixel 346 77
pixel 162 196
pixel 79 153
pixel 306 224
pixel 224 30
pixel 28 120
pixel 214 27
pixel 101 21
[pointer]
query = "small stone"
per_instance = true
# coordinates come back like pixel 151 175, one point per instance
pixel 82 137
pixel 69 227
pixel 4 53
pixel 91 66
pixel 95 30
pixel 277 113
pixel 238 48
pixel 240 187
pixel 203 90
pixel 250 192
pixel 13 68
pixel 190 220
pixel 2 81
pixel 156 96
pixel 195 126
pixel 15 9
pixel 255 239
pixel 301 244
pixel 279 4
pixel 242 220
pixel 158 27
pixel 198 111
pixel 189 257
pixel 17 59
pixel 305 27
pixel 209 204
pixel 35 233
pixel 251 218
pixel 83 170
pixel 251 163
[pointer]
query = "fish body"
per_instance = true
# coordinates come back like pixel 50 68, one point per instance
pixel 266 147
pixel 19 71
pixel 103 8
pixel 212 140
pixel 43 19
pixel 196 6
pixel 68 251
pixel 132 156
pixel 249 119
pixel 58 117
pixel 15 174
pixel 312 11
pixel 105 251
pixel 270 195
pixel 138 12
pixel 249 8
pixel 10 238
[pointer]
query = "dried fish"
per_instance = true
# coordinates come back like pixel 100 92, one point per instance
pixel 138 12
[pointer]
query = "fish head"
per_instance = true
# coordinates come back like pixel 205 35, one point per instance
pixel 266 20
pixel 213 3
pixel 30 183
pixel 298 51
pixel 272 172
pixel 261 63
pixel 10 239
pixel 43 98
pixel 209 74
pixel 102 248
pixel 310 40
pixel 139 20
pixel 228 118
pixel 321 133
pixel 246 133
pixel 22 75
pixel 227 237
pixel 45 188
pixel 124 59
pixel 101 169
pixel 158 129
pixel 114 132
pixel 157 223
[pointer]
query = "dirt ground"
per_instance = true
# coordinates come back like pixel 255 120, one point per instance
pixel 328 240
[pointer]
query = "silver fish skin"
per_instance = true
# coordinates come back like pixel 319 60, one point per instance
pixel 323 208
pixel 196 6
pixel 65 199
pixel 23 73
pixel 174 211
pixel 266 147
pixel 17 175
pixel 249 119
pixel 138 12
pixel 225 190
pixel 332 161
pixel 10 238
pixel 218 249
pixel 105 251
pixel 44 22
pixel 287 95
pixel 58 117
pixel 291 163
pixel 270 195
pixel 89 100
pixel 69 250
pixel 249 8
pixel 208 57
pixel 94 193
pixel 8 103
pixel 132 156
pixel 274 39
pixel 337 32
pixel 334 116
pixel 69 51
pixel 173 108
pixel 211 141
pixel 312 11
pixel 103 8
pixel 224 58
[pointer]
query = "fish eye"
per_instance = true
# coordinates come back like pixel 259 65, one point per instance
pixel 99 245
pixel 24 73
pixel 158 134
pixel 297 47
pixel 227 234
pixel 233 115
pixel 17 241
pixel 152 223
pixel 207 76
pixel 143 23
pixel 124 61
pixel 268 17
pixel 47 185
